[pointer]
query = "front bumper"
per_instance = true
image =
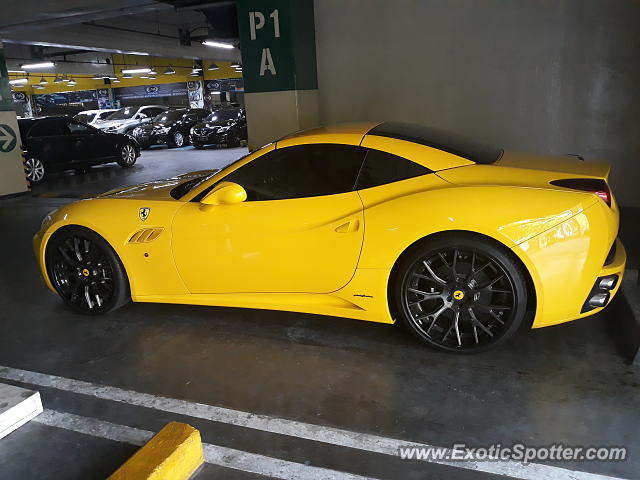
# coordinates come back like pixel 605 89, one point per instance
pixel 210 138
pixel 148 138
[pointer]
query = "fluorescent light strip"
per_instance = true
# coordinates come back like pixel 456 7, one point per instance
pixel 136 70
pixel 210 43
pixel 19 81
pixel 38 65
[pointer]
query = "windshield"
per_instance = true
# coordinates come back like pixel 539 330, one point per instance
pixel 84 117
pixel 222 115
pixel 169 116
pixel 123 113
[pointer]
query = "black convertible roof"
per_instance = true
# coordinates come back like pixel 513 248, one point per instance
pixel 440 139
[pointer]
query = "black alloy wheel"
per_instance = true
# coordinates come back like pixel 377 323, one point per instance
pixel 461 294
pixel 86 272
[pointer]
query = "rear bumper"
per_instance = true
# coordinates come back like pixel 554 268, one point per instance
pixel 566 261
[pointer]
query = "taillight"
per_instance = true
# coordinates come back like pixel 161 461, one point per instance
pixel 593 185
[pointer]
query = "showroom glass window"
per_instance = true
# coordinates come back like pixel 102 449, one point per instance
pixel 381 168
pixel 300 171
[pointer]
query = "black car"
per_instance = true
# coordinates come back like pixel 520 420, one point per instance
pixel 226 126
pixel 171 127
pixel 61 143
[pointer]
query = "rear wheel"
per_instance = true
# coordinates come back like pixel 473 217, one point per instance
pixel 34 170
pixel 461 294
pixel 127 155
pixel 86 272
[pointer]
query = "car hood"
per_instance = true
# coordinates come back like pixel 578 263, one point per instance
pixel 156 190
pixel 213 124
pixel 113 123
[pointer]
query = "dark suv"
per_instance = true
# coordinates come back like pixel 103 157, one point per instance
pixel 62 143
pixel 171 127
pixel 227 126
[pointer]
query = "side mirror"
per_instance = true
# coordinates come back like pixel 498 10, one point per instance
pixel 225 193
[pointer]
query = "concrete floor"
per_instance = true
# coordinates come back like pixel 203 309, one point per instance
pixel 565 384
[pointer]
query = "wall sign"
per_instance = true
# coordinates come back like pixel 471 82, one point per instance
pixel 278 45
pixel 178 89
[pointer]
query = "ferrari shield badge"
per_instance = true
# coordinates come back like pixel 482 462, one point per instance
pixel 144 213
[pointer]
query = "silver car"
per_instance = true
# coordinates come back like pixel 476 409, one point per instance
pixel 94 117
pixel 128 118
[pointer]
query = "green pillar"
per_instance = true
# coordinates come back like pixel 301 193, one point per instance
pixel 12 179
pixel 279 67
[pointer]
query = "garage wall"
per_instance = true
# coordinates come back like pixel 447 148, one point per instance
pixel 545 76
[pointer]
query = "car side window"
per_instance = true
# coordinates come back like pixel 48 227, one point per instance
pixel 104 115
pixel 152 111
pixel 300 171
pixel 78 128
pixel 48 128
pixel 380 168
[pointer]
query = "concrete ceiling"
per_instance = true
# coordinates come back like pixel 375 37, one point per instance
pixel 150 27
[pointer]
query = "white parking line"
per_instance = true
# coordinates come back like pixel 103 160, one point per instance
pixel 213 454
pixel 292 428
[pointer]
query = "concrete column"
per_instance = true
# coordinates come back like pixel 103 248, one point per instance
pixel 279 67
pixel 12 179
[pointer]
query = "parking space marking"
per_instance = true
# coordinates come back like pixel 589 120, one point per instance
pixel 213 454
pixel 291 428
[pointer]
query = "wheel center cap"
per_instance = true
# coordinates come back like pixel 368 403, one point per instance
pixel 86 272
pixel 458 295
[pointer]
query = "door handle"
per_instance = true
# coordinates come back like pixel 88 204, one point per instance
pixel 349 227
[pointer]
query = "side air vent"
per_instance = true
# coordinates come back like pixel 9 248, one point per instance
pixel 145 235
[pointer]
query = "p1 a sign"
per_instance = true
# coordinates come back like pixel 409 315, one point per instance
pixel 278 45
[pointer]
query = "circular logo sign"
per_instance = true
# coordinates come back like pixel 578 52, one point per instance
pixel 7 138
pixel 458 294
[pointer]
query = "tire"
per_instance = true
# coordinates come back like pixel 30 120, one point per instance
pixel 482 307
pixel 177 140
pixel 127 155
pixel 86 272
pixel 34 170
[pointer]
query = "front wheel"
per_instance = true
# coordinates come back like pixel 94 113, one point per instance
pixel 34 170
pixel 86 272
pixel 177 140
pixel 127 155
pixel 461 294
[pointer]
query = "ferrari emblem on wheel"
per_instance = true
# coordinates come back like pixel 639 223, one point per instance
pixel 144 213
pixel 458 294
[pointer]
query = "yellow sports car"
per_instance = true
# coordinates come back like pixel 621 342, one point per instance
pixel 375 222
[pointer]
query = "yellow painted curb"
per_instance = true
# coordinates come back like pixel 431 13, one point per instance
pixel 174 453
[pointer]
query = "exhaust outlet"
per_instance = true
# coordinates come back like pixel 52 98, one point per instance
pixel 599 299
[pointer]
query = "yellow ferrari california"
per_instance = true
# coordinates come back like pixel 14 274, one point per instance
pixel 378 222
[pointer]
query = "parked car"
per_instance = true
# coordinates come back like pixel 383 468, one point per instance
pixel 94 117
pixel 128 118
pixel 170 128
pixel 227 126
pixel 463 243
pixel 62 143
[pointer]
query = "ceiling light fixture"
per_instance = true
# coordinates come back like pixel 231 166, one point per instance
pixel 19 81
pixel 235 65
pixel 43 81
pixel 58 79
pixel 211 43
pixel 169 71
pixel 213 66
pixel 127 75
pixel 115 81
pixel 136 70
pixel 38 65
pixel 72 83
pixel 16 71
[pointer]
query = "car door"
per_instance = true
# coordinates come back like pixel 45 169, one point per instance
pixel 300 229
pixel 90 145
pixel 50 141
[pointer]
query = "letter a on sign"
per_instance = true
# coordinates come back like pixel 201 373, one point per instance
pixel 267 63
